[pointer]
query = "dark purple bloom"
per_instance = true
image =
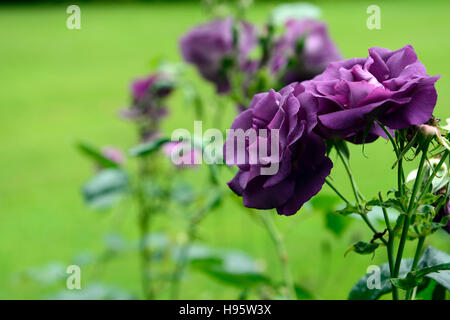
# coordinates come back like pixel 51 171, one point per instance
pixel 210 47
pixel 304 51
pixel 156 85
pixel 147 94
pixel 301 161
pixel 389 86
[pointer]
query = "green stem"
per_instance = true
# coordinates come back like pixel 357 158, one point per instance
pixel 336 191
pixel 181 265
pixel 144 224
pixel 282 253
pixel 391 138
pixel 357 195
pixel 390 247
pixel 410 209
pixel 350 175
pixel 399 154
pixel 415 262
pixel 400 173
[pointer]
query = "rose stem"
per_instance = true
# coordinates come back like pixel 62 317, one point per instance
pixel 282 253
pixel 336 191
pixel 357 196
pixel 415 262
pixel 411 206
pixel 390 245
pixel 144 226
pixel 192 234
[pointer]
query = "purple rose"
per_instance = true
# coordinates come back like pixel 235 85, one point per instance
pixel 147 94
pixel 210 48
pixel 156 85
pixel 299 153
pixel 391 87
pixel 304 51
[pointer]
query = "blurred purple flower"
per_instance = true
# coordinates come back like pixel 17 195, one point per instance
pixel 302 163
pixel 210 47
pixel 113 154
pixel 389 86
pixel 147 94
pixel 304 51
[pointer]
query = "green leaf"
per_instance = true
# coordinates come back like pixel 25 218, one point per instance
pixel 199 255
pixel 106 188
pixel 298 11
pixel 389 203
pixel 336 223
pixel 430 198
pixel 324 202
pixel 414 278
pixel 362 247
pixel 433 257
pixel 232 268
pixel 147 148
pixel 361 291
pixel 96 155
pixel 348 210
pixel 302 293
pixel 237 270
pixel 439 292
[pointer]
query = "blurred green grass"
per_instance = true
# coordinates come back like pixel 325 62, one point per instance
pixel 59 86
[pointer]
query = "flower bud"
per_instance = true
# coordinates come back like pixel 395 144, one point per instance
pixel 428 131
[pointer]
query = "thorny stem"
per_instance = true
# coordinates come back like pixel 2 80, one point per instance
pixel 409 211
pixel 282 253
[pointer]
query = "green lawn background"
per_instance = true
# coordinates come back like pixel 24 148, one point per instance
pixel 59 86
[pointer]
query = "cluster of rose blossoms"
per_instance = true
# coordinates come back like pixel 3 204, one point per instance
pixel 347 101
pixel 301 52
